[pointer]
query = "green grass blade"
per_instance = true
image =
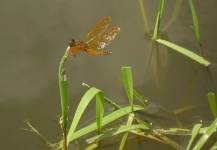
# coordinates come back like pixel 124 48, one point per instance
pixel 108 101
pixel 194 133
pixel 143 123
pixel 195 22
pixel 159 15
pixel 185 52
pixel 107 119
pixel 128 82
pixel 206 135
pixel 80 110
pixel 212 103
pixel 157 24
pixel 114 132
pixel 124 138
pixel 63 84
pixel 99 110
pixel 92 146
pixel 137 95
pixel 140 98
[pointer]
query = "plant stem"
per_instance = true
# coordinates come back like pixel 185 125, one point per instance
pixel 63 85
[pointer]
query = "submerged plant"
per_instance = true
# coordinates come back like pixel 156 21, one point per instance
pixel 198 58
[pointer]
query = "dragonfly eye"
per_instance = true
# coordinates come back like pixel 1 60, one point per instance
pixel 71 42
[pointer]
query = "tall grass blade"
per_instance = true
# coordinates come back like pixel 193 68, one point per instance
pixel 185 52
pixel 88 96
pixel 107 119
pixel 195 22
pixel 63 85
pixel 137 95
pixel 114 132
pixel 142 122
pixel 212 103
pixel 128 82
pixel 194 133
pixel 206 135
pixel 140 98
pixel 159 15
pixel 107 100
pixel 124 138
pixel 156 28
pixel 99 110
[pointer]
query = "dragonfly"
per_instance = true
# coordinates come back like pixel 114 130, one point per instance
pixel 95 40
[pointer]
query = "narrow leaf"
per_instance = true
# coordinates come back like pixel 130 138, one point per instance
pixel 63 84
pixel 128 82
pixel 185 52
pixel 206 135
pixel 212 104
pixel 194 133
pixel 195 22
pixel 99 110
pixel 80 110
pixel 114 132
pixel 107 119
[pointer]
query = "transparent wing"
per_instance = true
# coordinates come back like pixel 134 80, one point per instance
pixel 96 52
pixel 98 29
pixel 104 40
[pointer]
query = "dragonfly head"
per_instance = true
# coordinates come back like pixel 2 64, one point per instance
pixel 71 42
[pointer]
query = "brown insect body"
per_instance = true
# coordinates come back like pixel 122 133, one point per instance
pixel 94 40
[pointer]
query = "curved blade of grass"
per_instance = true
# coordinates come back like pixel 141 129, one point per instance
pixel 157 24
pixel 80 110
pixel 108 101
pixel 107 119
pixel 195 22
pixel 212 104
pixel 194 133
pixel 128 82
pixel 99 110
pixel 206 135
pixel 137 95
pixel 124 138
pixel 142 122
pixel 63 85
pixel 114 132
pixel 185 52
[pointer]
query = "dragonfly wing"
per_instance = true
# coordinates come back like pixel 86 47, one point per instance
pixel 98 29
pixel 96 52
pixel 104 40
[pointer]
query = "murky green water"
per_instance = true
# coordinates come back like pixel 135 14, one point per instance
pixel 34 37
